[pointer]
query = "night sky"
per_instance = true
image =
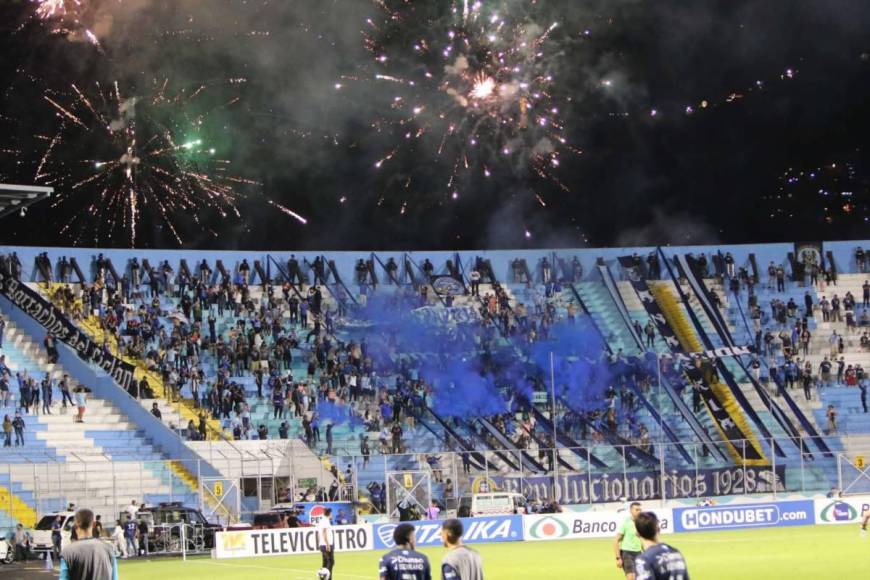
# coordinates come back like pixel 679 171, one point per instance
pixel 699 122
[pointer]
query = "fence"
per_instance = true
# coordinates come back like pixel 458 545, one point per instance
pixel 593 474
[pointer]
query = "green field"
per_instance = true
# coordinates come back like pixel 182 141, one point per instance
pixel 817 553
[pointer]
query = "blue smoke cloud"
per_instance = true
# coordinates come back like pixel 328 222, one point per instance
pixel 466 384
pixel 337 414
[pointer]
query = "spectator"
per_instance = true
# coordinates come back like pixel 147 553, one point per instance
pixel 81 404
pixel 56 527
pixel 831 415
pixel 7 431
pixel 18 425
pixel 143 537
pixel 433 511
pixel 132 509
pixel 650 332
pixel 131 531
pixel 22 541
pixel 87 560
pixel 474 278
pixel 64 391
pixel 118 540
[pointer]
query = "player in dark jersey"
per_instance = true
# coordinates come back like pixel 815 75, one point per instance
pixel 404 563
pixel 460 562
pixel 658 561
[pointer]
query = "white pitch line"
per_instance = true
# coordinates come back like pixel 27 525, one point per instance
pixel 270 568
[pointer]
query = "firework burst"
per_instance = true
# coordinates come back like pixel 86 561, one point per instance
pixel 47 9
pixel 147 162
pixel 472 88
pixel 67 17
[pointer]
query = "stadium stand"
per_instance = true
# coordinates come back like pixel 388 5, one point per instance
pixel 303 364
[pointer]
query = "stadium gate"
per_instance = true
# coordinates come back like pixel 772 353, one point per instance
pixel 220 499
pixel 408 491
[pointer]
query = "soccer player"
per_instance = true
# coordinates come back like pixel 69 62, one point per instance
pixel 658 561
pixel 404 563
pixel 460 562
pixel 627 545
pixel 324 537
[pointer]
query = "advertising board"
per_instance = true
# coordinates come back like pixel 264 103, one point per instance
pixel 741 516
pixel 477 530
pixel 313 511
pixel 290 541
pixel 580 525
pixel 847 510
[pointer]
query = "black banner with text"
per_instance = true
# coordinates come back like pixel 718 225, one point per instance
pixel 59 326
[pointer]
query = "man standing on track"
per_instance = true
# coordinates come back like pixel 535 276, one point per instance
pixel 324 540
pixel 460 562
pixel 627 545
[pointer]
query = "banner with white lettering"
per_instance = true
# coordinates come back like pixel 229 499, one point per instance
pixel 290 541
pixel 735 517
pixel 582 525
pixel 441 316
pixel 59 326
pixel 584 488
pixel 486 529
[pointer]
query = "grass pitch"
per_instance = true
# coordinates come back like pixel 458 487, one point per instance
pixel 811 552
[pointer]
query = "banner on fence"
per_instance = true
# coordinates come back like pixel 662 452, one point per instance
pixel 734 517
pixel 312 512
pixel 290 541
pixel 489 530
pixel 640 486
pixel 846 510
pixel 581 525
pixel 57 324
pixel 437 316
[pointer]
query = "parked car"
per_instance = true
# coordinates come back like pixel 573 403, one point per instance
pixel 164 519
pixel 279 517
pixel 7 553
pixel 491 504
pixel 41 532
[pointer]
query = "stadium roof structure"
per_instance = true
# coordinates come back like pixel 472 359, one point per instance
pixel 19 197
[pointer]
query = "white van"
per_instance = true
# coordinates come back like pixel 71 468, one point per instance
pixel 492 504
pixel 42 531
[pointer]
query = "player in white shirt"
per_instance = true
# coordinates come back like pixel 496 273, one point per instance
pixel 324 540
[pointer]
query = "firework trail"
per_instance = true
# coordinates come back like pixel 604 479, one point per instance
pixel 289 212
pixel 473 88
pixel 147 158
